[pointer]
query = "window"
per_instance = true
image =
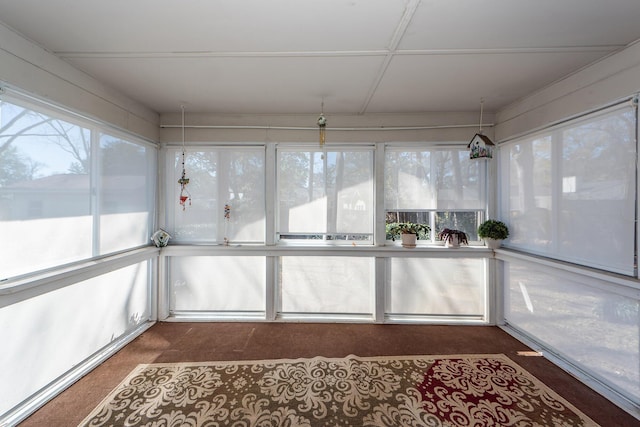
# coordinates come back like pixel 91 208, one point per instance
pixel 222 284
pixel 437 186
pixel 570 192
pixel 325 195
pixel 329 285
pixel 64 195
pixel 582 318
pixel 125 202
pixel 72 324
pixel 219 176
pixel 456 289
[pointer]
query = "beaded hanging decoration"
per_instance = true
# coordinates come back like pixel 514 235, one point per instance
pixel 227 218
pixel 185 195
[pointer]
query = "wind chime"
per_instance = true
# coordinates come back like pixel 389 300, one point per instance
pixel 322 125
pixel 183 181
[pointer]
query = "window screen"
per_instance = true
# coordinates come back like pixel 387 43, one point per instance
pixel 325 195
pixel 125 200
pixel 67 192
pixel 218 177
pixel 438 186
pixel 569 192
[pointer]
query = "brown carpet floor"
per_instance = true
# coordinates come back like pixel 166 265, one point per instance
pixel 187 342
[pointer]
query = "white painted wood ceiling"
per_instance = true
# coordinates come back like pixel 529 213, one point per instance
pixel 359 56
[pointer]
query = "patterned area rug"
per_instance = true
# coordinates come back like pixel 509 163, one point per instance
pixel 466 390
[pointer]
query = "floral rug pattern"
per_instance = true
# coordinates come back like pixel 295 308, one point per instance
pixel 466 390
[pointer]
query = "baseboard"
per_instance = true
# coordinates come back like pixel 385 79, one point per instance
pixel 28 406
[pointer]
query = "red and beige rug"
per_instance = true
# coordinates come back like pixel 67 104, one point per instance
pixel 464 390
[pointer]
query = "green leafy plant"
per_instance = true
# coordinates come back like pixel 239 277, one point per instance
pixel 447 234
pixel 493 229
pixel 395 229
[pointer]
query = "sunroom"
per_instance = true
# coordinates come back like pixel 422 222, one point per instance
pixel 277 216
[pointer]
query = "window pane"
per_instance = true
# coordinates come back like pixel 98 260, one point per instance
pixel 440 187
pixel 325 195
pixel 530 198
pixel 350 179
pixel 571 191
pixel 463 221
pixel 598 187
pixel 126 194
pixel 407 180
pixel 458 180
pixel 197 220
pixel 414 217
pixel 595 329
pixel 302 194
pixel 436 287
pixel 218 177
pixel 52 333
pixel 45 201
pixel 339 285
pixel 433 178
pixel 221 283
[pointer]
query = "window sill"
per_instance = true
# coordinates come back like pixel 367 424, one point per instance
pixel 326 250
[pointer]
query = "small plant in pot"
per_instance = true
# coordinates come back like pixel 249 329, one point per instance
pixel 493 232
pixel 409 232
pixel 453 238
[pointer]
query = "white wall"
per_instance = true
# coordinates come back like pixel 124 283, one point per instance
pixel 603 82
pixel 31 68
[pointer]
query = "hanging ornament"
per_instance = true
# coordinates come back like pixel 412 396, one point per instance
pixel 322 125
pixel 481 146
pixel 227 218
pixel 185 196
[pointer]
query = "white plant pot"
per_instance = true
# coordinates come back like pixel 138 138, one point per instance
pixel 409 240
pixel 453 242
pixel 492 243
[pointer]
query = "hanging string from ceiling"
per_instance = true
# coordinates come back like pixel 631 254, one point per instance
pixel 183 181
pixel 481 110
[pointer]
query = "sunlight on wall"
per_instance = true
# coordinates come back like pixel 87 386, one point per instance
pixel 45 336
pixel 596 329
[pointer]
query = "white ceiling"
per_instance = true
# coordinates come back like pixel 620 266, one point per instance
pixel 359 56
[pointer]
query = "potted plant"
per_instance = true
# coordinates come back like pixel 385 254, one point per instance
pixel 408 231
pixel 493 232
pixel 453 238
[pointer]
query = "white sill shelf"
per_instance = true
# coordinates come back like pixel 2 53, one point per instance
pixel 439 251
